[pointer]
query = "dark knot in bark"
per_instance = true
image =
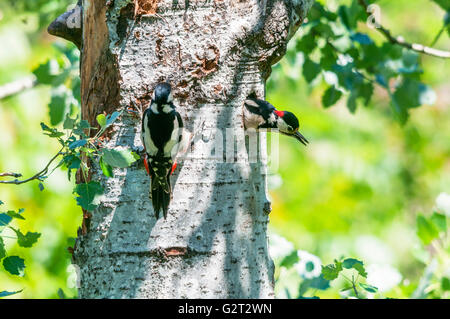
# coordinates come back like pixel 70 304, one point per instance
pixel 69 26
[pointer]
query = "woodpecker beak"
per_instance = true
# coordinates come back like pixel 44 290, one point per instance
pixel 300 138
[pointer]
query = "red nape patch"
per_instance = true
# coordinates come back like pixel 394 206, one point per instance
pixel 146 165
pixel 174 166
pixel 279 113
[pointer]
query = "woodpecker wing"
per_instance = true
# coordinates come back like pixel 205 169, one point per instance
pixel 258 114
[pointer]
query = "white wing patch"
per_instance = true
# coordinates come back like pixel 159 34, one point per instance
pixel 252 120
pixel 172 146
pixel 154 108
pixel 252 103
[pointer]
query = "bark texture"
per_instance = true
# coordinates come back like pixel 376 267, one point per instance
pixel 214 53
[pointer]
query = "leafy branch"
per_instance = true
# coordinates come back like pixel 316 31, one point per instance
pixel 401 41
pixel 333 271
pixel 39 176
pixel 14 265
pixel 351 63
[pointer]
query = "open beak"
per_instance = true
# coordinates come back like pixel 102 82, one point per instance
pixel 300 138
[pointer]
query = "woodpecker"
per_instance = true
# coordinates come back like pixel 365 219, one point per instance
pixel 162 131
pixel 260 114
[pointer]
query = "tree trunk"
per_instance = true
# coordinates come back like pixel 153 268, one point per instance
pixel 214 53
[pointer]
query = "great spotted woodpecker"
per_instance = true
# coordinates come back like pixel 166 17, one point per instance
pixel 259 114
pixel 162 132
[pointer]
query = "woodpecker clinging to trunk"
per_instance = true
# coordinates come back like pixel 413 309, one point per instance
pixel 162 133
pixel 259 114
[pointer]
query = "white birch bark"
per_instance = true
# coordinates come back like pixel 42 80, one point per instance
pixel 214 53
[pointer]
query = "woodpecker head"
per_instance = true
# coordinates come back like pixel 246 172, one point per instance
pixel 162 93
pixel 288 124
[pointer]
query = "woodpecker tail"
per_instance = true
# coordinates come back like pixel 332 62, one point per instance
pixel 160 187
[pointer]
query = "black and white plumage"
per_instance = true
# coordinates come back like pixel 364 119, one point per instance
pixel 260 114
pixel 162 131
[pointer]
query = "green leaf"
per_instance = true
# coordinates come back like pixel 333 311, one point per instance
pixel 27 240
pixel 8 293
pixel 289 260
pixel 445 284
pixel 17 215
pixel 14 265
pixel 310 70
pixel 444 4
pixel 59 105
pixel 111 118
pixel 328 57
pixel 106 168
pixel 78 143
pixel 4 220
pixel 320 283
pixel 307 44
pixel 47 72
pixel 121 159
pixel 440 221
pixel 45 128
pixel 51 132
pixel 331 96
pixel 69 123
pixel 426 230
pixel 88 195
pixel 71 162
pixel 61 294
pixel 365 92
pixel 351 103
pixel 361 38
pixel 2 249
pixel 356 264
pixel 368 288
pixel 411 93
pixel 331 271
pixel 101 120
pixel 76 89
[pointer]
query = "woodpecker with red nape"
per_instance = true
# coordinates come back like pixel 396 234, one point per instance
pixel 162 132
pixel 260 114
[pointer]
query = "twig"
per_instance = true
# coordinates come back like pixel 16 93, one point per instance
pixel 436 39
pixel 400 41
pixel 11 174
pixel 18 86
pixel 355 290
pixel 36 176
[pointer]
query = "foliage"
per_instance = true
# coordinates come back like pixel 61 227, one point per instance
pixel 357 190
pixel 13 264
pixel 351 63
pixel 431 230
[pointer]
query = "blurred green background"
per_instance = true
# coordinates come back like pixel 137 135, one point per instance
pixel 354 191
